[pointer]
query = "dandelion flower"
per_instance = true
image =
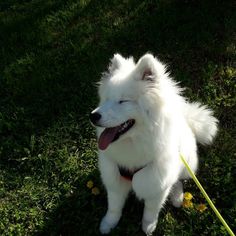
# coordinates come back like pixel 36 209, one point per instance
pixel 187 204
pixel 95 191
pixel 201 207
pixel 188 196
pixel 90 184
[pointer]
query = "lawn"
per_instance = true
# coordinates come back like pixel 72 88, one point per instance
pixel 52 53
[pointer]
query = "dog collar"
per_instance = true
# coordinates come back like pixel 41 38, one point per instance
pixel 127 173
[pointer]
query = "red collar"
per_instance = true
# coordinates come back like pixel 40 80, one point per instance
pixel 127 173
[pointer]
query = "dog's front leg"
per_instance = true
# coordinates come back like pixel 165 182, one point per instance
pixel 117 191
pixel 148 185
pixel 116 202
pixel 152 207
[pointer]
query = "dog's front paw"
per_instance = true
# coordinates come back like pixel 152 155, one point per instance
pixel 105 227
pixel 108 223
pixel 149 227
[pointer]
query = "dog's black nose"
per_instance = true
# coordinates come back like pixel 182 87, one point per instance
pixel 94 117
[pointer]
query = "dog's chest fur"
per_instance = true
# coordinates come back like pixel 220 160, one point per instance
pixel 131 153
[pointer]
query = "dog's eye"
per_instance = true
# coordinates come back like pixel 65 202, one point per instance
pixel 122 101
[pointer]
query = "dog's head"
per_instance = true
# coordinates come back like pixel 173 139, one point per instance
pixel 126 98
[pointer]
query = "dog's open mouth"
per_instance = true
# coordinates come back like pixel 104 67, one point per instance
pixel 110 135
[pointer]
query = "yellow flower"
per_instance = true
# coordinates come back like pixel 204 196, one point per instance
pixel 187 204
pixel 90 184
pixel 188 196
pixel 201 207
pixel 95 191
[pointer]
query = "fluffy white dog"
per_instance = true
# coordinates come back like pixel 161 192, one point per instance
pixel 143 124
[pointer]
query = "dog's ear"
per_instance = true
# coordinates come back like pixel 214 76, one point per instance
pixel 116 63
pixel 146 67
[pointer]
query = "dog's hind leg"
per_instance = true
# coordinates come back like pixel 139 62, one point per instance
pixel 177 195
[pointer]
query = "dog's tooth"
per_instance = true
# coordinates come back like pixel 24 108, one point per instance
pixel 125 127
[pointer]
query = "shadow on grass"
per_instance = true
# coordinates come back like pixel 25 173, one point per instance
pixel 54 70
pixel 81 213
pixel 78 212
pixel 54 52
pixel 53 73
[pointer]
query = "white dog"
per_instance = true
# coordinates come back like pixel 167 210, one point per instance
pixel 143 124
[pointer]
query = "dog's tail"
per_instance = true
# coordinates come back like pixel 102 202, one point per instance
pixel 202 122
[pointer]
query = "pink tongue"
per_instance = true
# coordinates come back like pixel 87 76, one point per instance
pixel 106 137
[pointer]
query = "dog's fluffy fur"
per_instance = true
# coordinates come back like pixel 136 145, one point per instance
pixel 163 124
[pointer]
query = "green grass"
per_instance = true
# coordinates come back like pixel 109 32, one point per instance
pixel 52 54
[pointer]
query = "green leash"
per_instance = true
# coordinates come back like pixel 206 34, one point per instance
pixel 207 197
